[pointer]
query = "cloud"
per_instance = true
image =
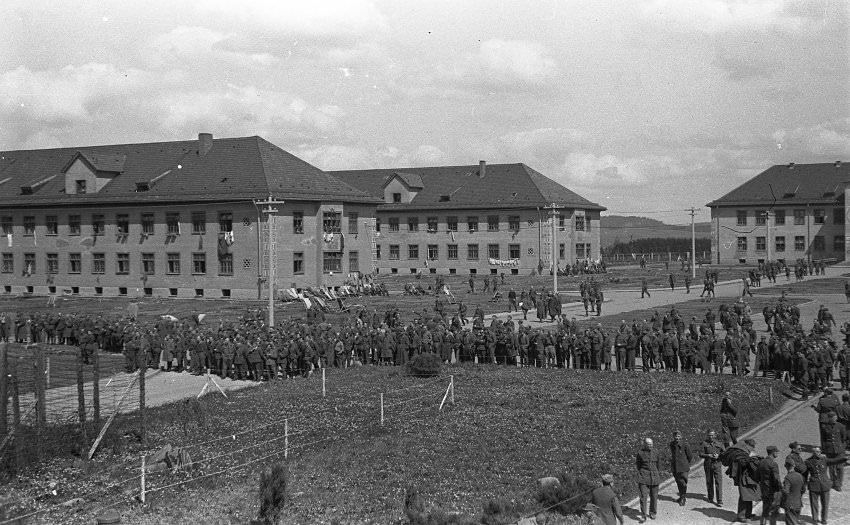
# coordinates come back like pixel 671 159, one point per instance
pixel 509 61
pixel 347 157
pixel 588 169
pixel 827 139
pixel 716 16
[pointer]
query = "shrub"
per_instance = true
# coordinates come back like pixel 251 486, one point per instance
pixel 500 512
pixel 418 514
pixel 570 497
pixel 425 365
pixel 273 483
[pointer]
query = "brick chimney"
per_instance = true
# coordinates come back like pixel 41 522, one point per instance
pixel 482 168
pixel 205 143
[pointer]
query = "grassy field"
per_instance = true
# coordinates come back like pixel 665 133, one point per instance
pixel 832 285
pixel 508 427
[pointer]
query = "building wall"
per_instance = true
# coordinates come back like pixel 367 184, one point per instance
pixel 530 239
pixel 813 238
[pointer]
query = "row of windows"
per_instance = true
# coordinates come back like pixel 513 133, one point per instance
pixel 331 222
pixel 331 262
pixel 472 223
pixel 122 223
pixel 818 243
pixel 494 251
pixel 122 263
pixel 799 217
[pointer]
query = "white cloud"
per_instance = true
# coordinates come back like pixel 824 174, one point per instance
pixel 346 157
pixel 830 138
pixel 516 60
pixel 588 169
pixel 714 16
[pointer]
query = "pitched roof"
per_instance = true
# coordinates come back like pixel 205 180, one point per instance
pixel 503 186
pixel 791 183
pixel 412 180
pixel 233 169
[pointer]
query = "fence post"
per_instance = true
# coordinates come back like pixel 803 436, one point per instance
pixel 285 438
pixel 81 401
pixel 382 409
pixel 40 375
pixel 770 391
pixel 47 373
pixel 96 385
pixel 16 416
pixel 143 368
pixel 142 494
pixel 4 389
pixel 323 382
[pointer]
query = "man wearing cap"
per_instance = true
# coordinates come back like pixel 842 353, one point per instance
pixel 648 465
pixel 833 438
pixel 819 485
pixel 608 507
pixel 795 457
pixel 826 404
pixel 770 485
pixel 793 488
pixel 729 419
pixel 680 464
pixel 710 453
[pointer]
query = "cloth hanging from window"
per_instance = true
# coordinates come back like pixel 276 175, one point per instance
pixel 222 245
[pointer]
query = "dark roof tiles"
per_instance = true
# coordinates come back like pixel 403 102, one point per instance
pixel 794 183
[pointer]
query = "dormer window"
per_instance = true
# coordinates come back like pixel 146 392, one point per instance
pixel 396 198
pixel 80 186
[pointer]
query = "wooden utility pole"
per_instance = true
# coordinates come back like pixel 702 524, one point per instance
pixel 271 249
pixel 556 252
pixel 693 246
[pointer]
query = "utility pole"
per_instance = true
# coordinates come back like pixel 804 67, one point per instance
pixel 556 253
pixel 767 239
pixel 693 246
pixel 270 231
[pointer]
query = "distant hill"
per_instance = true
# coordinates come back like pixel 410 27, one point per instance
pixel 623 228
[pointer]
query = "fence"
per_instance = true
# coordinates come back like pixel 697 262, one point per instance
pixel 232 452
pixel 654 257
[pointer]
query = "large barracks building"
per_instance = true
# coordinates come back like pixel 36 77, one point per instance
pixel 484 219
pixel 786 213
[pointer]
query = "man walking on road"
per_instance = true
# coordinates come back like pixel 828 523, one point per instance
pixel 680 465
pixel 648 466
pixel 710 453
pixel 644 288
pixel 605 499
pixel 793 488
pixel 770 485
pixel 819 485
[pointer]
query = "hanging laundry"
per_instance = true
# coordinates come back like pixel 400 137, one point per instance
pixel 9 239
pixel 222 245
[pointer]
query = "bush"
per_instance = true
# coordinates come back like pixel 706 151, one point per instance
pixel 570 497
pixel 273 483
pixel 418 514
pixel 500 512
pixel 425 365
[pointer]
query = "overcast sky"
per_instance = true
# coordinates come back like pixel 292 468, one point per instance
pixel 640 105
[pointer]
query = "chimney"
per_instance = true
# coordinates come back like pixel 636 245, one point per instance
pixel 482 168
pixel 837 163
pixel 205 143
pixel 790 165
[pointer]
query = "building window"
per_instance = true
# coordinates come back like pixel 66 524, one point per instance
pixel 761 244
pixel 98 263
pixel 742 217
pixel 6 224
pixel 29 263
pixel 377 224
pixel 75 263
pixel 513 223
pixel 396 198
pixel 51 224
pixel 80 186
pixel 433 252
pixel 298 263
pixel 122 221
pixel 799 243
pixel 472 224
pixel 225 222
pixel 742 244
pixel 122 263
pixel 378 252
pixel 799 217
pixel 225 264
pixel 353 217
pixel 298 222
pixel 471 252
pixel 353 261
pixel 332 262
pixel 331 222
pixel 148 264
pixel 819 216
pixel 761 216
pixel 838 216
pixel 8 263
pixel 199 223
pixel 394 252
pixel 52 263
pixel 413 224
pixel 29 226
pixel 412 251
pixel 451 251
pixel 579 220
pixel 561 221
pixel 451 224
pixel 779 217
pixel 562 251
pixel 199 263
pixel 492 223
pixel 98 226
pixel 780 243
pixel 172 223
pixel 432 224
pixel 493 251
pixel 173 266
pixel 393 221
pixel 838 243
pixel 513 251
pixel 147 224
pixel 820 243
pixel 580 251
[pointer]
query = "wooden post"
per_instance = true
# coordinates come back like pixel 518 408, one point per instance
pixel 323 382
pixel 16 417
pixel 142 494
pixel 96 385
pixel 40 375
pixel 4 389
pixel 81 401
pixel 47 373
pixel 770 391
pixel 143 368
pixel 452 378
pixel 285 438
pixel 382 409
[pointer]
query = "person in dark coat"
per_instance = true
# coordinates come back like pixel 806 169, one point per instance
pixel 729 419
pixel 743 468
pixel 680 464
pixel 608 508
pixel 648 465
pixel 793 488
pixel 770 485
pixel 710 453
pixel 819 485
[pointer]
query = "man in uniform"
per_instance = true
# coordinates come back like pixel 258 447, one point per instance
pixel 834 442
pixel 770 485
pixel 710 453
pixel 819 485
pixel 608 507
pixel 793 488
pixel 680 465
pixel 648 465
